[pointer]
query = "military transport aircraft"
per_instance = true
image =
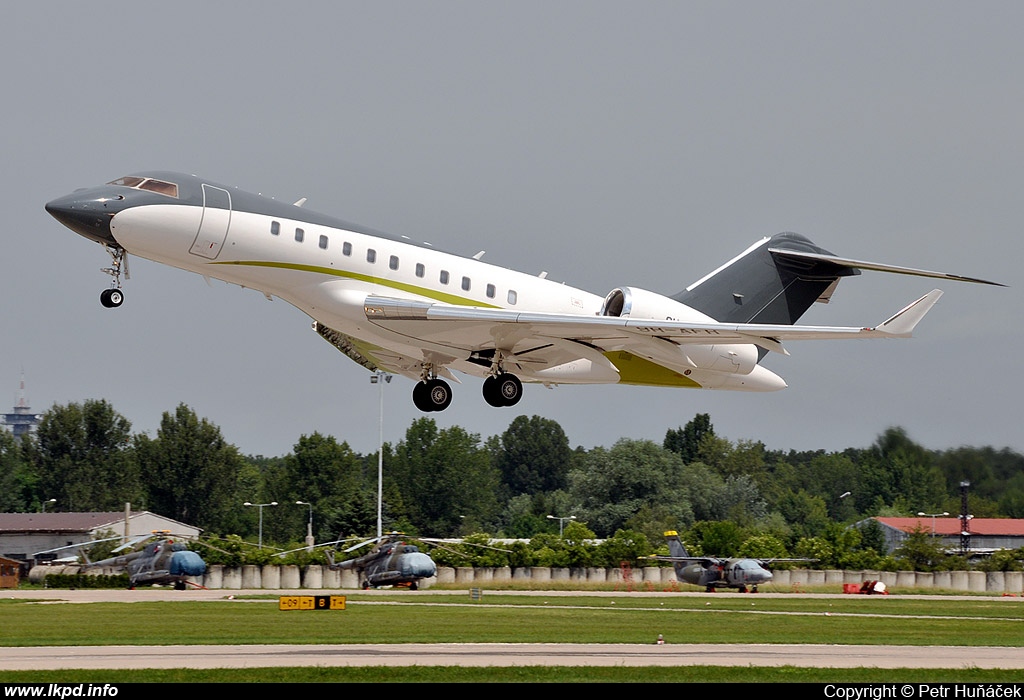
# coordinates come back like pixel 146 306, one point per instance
pixel 715 572
pixel 155 559
pixel 409 309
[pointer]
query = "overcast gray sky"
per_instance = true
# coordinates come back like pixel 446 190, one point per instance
pixel 640 143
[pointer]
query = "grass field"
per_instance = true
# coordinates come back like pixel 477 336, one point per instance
pixel 424 617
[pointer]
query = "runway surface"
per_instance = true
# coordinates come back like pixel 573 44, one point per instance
pixel 256 656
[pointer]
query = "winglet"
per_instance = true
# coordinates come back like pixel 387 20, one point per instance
pixel 902 323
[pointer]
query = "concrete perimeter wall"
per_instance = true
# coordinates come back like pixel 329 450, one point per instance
pixel 647 578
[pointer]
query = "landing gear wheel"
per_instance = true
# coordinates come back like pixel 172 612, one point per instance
pixel 111 298
pixel 440 394
pixel 492 393
pixel 432 395
pixel 420 398
pixel 503 390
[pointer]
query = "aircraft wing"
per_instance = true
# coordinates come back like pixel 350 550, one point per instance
pixel 473 329
pixel 706 561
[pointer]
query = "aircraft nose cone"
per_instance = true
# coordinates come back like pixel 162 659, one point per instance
pixel 419 564
pixel 86 216
pixel 187 564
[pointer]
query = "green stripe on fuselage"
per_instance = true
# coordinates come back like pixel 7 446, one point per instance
pixel 370 279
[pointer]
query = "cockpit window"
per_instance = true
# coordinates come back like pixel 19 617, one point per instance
pixel 147 183
pixel 127 181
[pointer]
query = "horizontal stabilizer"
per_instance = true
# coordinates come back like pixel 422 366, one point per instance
pixel 879 267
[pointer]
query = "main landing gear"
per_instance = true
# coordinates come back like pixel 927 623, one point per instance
pixel 503 389
pixel 432 394
pixel 114 297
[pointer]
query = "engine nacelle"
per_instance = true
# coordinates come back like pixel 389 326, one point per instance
pixel 634 303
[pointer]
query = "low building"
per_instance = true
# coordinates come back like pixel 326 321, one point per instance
pixel 986 534
pixel 22 535
pixel 10 573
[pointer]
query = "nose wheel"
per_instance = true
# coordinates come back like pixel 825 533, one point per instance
pixel 111 298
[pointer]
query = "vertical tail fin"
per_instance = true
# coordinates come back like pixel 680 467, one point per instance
pixel 765 285
pixel 675 545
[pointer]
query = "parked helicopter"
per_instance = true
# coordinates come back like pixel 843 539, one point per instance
pixel 160 560
pixel 716 572
pixel 392 562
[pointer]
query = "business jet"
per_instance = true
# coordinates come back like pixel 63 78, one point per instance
pixel 406 308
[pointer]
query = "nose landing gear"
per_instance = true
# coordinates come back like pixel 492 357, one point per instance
pixel 114 297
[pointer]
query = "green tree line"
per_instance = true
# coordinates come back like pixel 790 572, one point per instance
pixel 728 497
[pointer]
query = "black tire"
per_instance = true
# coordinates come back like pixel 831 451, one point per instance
pixel 111 298
pixel 420 399
pixel 492 393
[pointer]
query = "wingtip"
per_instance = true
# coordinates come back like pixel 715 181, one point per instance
pixel 903 322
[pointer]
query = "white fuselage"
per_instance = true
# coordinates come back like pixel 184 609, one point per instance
pixel 329 272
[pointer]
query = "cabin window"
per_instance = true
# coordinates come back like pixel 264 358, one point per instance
pixel 512 296
pixel 346 248
pixel 275 228
pixel 299 235
pixel 420 270
pixel 371 255
pixel 393 262
pixel 444 277
pixel 491 291
pixel 465 284
pixel 323 242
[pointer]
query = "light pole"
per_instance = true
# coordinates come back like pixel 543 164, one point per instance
pixel 932 516
pixel 309 526
pixel 561 522
pixel 381 378
pixel 261 506
pixel 49 500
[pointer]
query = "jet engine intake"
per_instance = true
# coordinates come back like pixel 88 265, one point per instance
pixel 634 303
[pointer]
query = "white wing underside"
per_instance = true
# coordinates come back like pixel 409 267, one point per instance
pixel 532 341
